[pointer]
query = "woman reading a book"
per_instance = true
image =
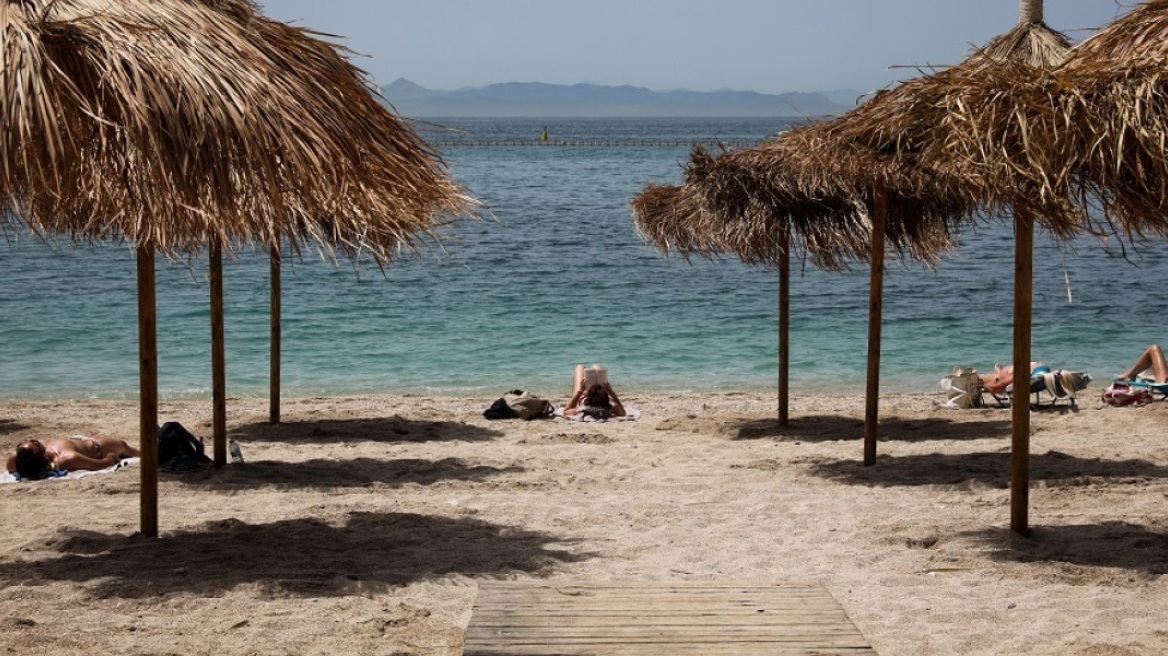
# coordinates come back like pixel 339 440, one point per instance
pixel 592 396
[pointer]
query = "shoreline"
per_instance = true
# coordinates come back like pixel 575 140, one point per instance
pixel 367 523
pixel 905 386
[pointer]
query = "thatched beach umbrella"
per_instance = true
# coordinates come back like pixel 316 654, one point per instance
pixel 1094 130
pixel 857 159
pixel 787 196
pixel 178 125
pixel 924 130
pixel 908 128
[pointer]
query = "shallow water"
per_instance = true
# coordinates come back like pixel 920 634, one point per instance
pixel 558 277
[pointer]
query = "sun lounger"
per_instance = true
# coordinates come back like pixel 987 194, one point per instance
pixel 1050 388
pixel 1159 391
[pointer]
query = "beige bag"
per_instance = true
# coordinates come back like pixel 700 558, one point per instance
pixel 962 390
pixel 527 406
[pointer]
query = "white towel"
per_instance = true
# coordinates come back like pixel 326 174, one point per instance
pixel 631 414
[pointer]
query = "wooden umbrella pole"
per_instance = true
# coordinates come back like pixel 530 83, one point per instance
pixel 875 314
pixel 784 326
pixel 274 382
pixel 1020 409
pixel 148 391
pixel 1029 11
pixel 218 357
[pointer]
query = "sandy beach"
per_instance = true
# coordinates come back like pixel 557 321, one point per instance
pixel 364 525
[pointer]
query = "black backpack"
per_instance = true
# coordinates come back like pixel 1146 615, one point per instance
pixel 500 410
pixel 178 449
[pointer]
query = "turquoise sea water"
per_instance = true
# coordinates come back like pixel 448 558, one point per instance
pixel 559 277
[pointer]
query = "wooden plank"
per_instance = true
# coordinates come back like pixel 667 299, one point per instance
pixel 630 619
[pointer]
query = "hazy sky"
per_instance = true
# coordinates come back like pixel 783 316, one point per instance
pixel 769 46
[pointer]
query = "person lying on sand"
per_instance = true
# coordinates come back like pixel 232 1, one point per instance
pixel 596 400
pixel 34 459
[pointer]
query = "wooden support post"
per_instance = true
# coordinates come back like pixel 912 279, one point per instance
pixel 148 391
pixel 274 375
pixel 784 326
pixel 875 316
pixel 218 358
pixel 1020 408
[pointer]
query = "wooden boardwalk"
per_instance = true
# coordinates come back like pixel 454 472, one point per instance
pixel 637 619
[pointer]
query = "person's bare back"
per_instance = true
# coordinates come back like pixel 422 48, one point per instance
pixel 78 453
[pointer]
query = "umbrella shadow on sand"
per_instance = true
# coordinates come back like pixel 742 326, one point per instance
pixel 1050 469
pixel 1109 544
pixel 11 426
pixel 831 428
pixel 327 474
pixel 368 552
pixel 375 429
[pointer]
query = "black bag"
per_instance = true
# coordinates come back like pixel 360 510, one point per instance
pixel 178 449
pixel 500 410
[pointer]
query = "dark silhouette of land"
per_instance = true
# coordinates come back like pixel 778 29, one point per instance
pixel 529 99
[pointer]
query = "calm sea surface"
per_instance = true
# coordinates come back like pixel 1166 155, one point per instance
pixel 559 277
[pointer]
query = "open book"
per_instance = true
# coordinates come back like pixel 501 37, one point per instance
pixel 596 375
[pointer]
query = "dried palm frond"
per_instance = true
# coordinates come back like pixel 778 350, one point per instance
pixel 666 217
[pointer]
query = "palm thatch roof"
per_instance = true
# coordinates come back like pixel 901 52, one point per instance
pixel 743 202
pixel 175 123
pixel 675 218
pixel 661 213
pixel 1111 101
pixel 819 180
pixel 1089 133
pixel 914 125
pixel 824 186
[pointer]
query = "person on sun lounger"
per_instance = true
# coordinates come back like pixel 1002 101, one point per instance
pixel 34 459
pixel 1152 358
pixel 592 396
pixel 997 381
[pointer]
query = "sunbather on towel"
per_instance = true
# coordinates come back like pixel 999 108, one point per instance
pixel 598 400
pixel 34 459
pixel 1152 358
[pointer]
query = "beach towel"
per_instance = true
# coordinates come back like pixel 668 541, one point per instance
pixel 1062 383
pixel 631 414
pixel 1157 390
pixel 1124 393
pixel 63 475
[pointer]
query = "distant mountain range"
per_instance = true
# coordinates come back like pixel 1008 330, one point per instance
pixel 536 99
